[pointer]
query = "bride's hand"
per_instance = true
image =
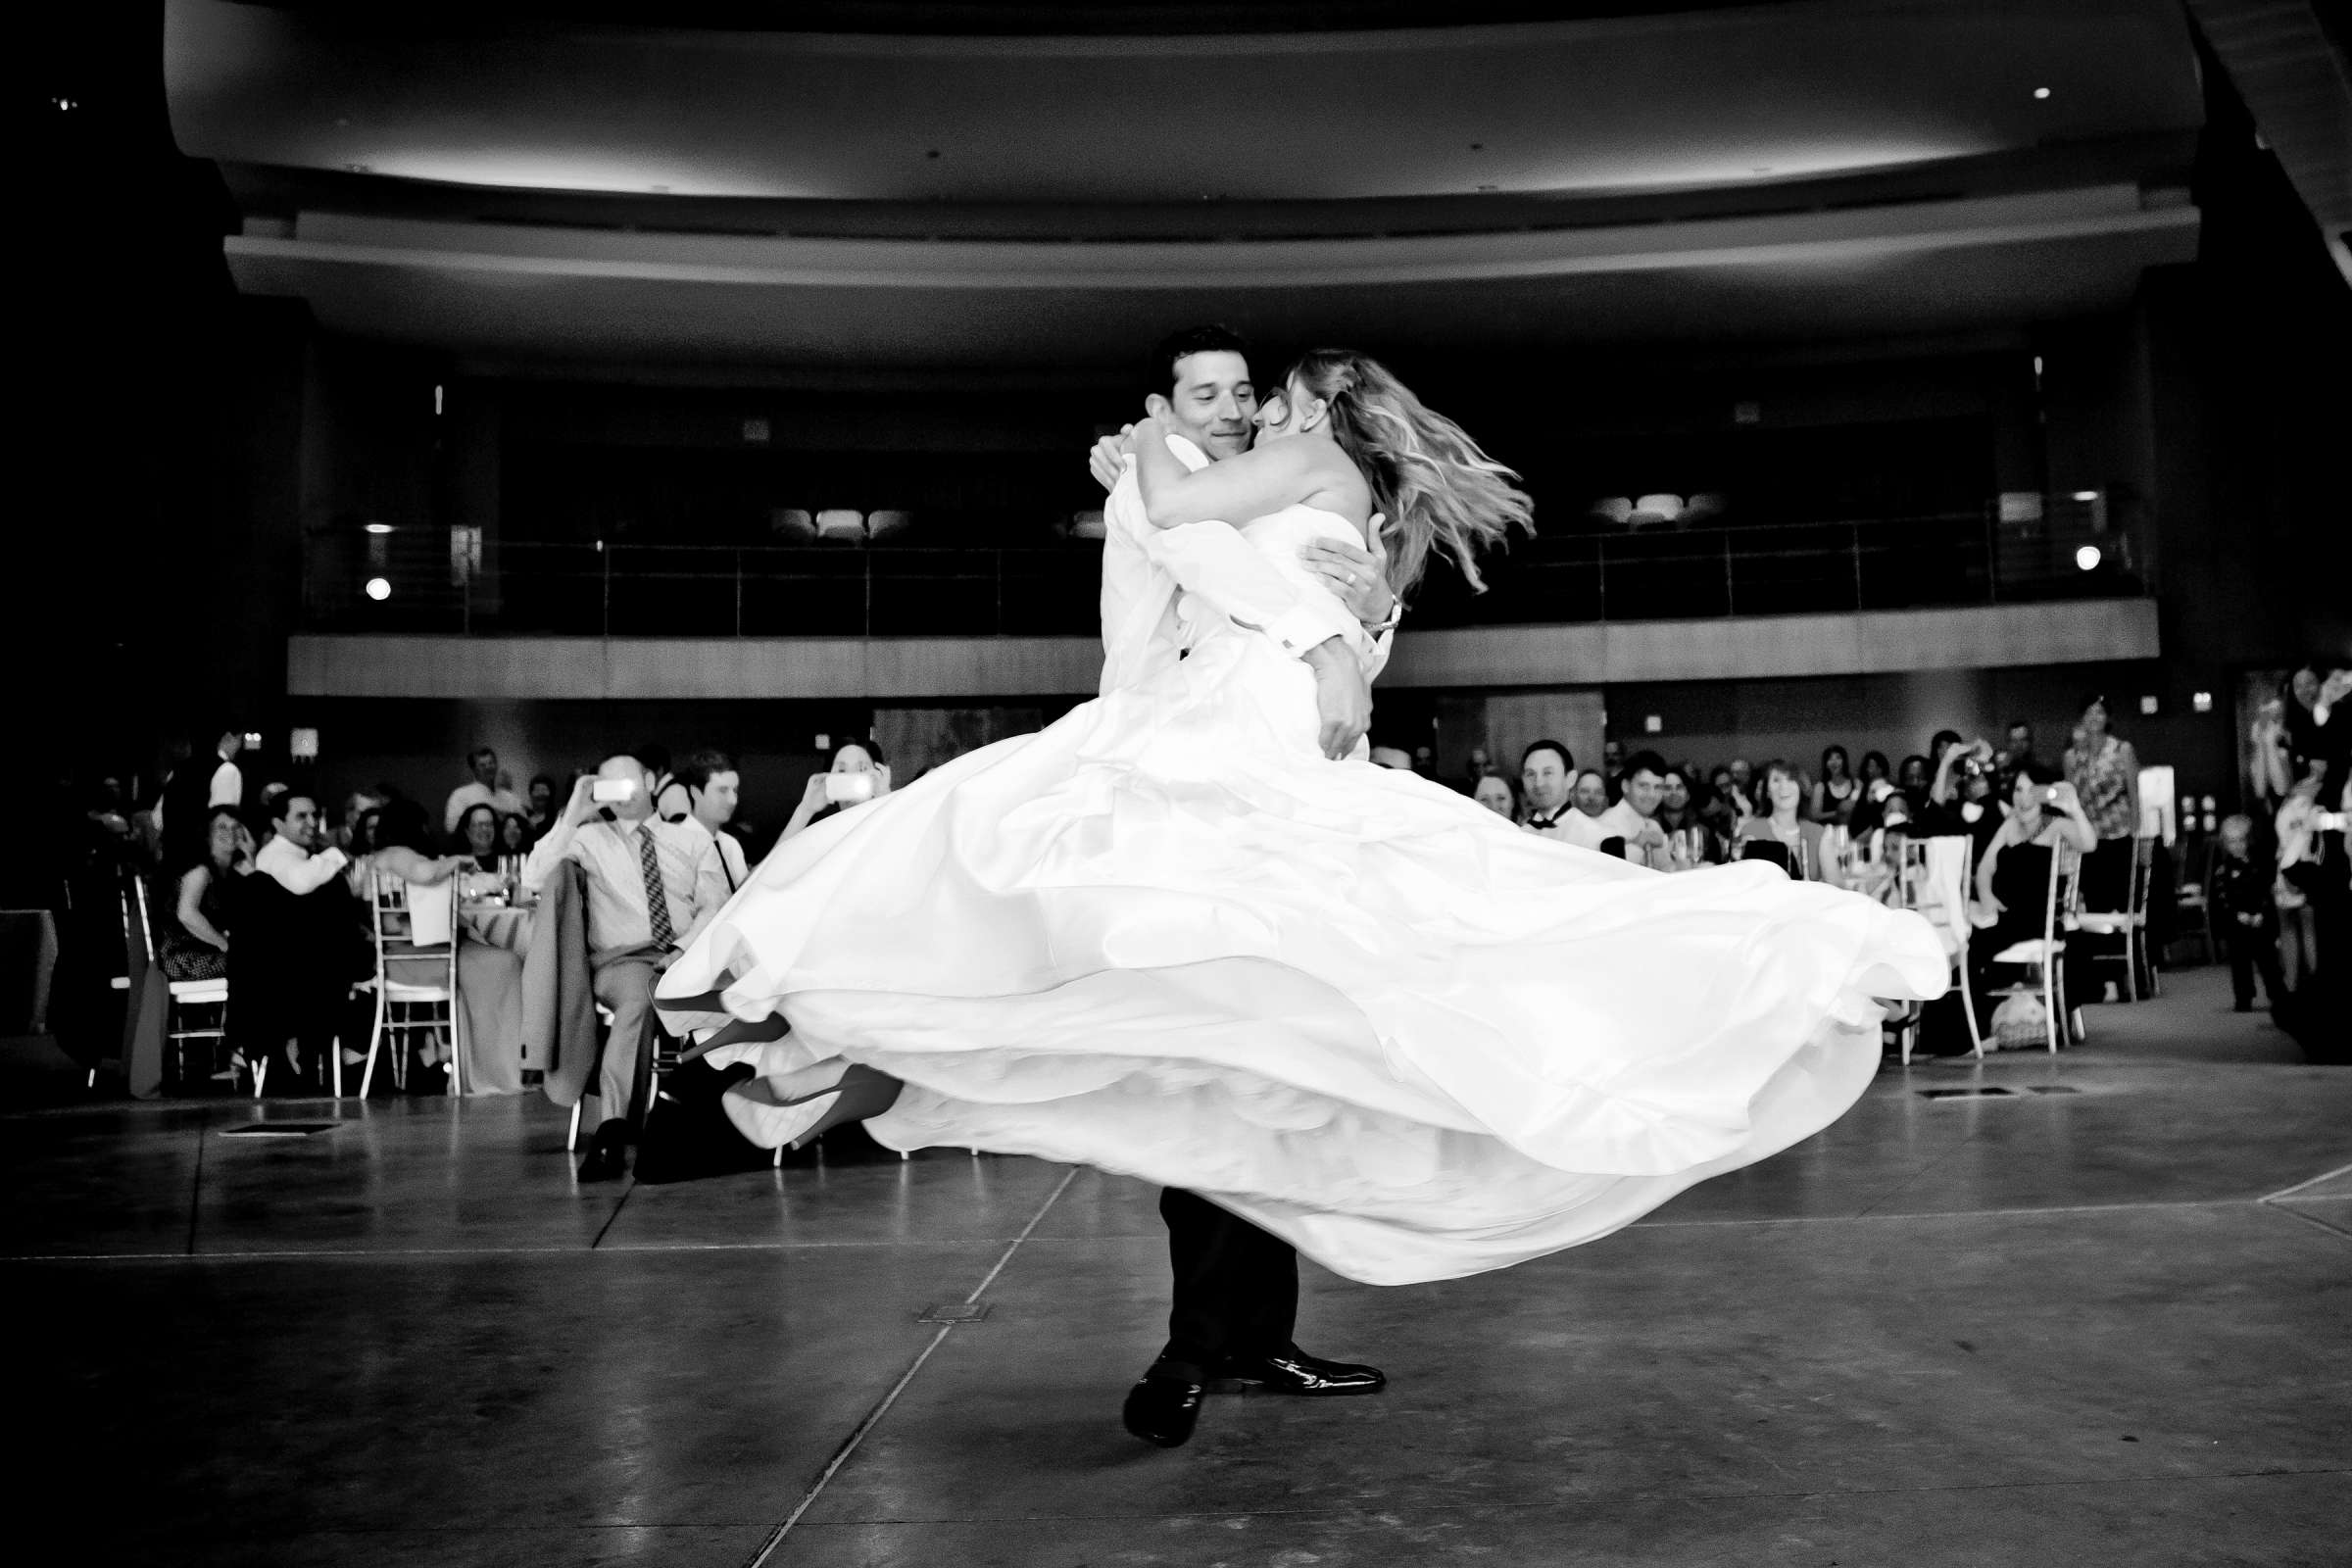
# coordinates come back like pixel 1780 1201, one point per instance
pixel 1352 574
pixel 1108 459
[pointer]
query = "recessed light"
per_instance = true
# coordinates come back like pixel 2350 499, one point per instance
pixel 63 104
pixel 2041 92
pixel 379 589
pixel 379 527
pixel 2087 495
pixel 2087 558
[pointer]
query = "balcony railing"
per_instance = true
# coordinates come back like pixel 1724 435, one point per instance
pixel 441 580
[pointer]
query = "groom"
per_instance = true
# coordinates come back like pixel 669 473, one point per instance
pixel 1236 1287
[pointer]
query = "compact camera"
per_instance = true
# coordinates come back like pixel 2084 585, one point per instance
pixel 606 791
pixel 847 789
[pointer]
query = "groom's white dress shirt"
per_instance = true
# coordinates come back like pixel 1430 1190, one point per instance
pixel 1147 573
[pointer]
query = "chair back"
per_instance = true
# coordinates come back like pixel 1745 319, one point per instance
pixel 2143 875
pixel 1614 844
pixel 412 920
pixel 1772 850
pixel 2064 894
pixel 134 898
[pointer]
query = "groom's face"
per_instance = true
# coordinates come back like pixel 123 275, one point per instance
pixel 1212 403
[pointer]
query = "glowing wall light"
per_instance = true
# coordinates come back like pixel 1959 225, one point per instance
pixel 2087 558
pixel 379 589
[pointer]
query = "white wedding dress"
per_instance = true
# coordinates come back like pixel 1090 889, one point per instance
pixel 1168 938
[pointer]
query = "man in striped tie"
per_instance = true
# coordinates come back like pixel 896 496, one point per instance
pixel 651 888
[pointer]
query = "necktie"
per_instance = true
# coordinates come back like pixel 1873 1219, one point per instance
pixel 657 903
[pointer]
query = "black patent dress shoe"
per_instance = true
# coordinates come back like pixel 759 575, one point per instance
pixel 1162 1410
pixel 607 1159
pixel 1294 1371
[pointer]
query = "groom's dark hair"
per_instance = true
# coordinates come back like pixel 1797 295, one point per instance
pixel 1177 347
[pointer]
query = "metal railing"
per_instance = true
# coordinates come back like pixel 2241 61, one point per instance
pixel 440 580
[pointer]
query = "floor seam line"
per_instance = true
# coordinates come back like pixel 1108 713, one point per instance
pixel 2325 1175
pixel 196 1182
pixel 627 1193
pixel 2336 1231
pixel 1490 1503
pixel 873 1418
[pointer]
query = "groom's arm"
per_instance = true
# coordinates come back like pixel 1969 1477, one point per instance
pixel 1213 560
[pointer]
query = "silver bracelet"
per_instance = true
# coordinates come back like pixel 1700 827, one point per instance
pixel 1381 628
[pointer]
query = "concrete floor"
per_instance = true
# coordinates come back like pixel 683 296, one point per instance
pixel 2102 1325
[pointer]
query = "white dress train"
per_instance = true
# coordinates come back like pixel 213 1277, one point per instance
pixel 1166 937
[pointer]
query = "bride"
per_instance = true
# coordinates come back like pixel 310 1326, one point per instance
pixel 1167 936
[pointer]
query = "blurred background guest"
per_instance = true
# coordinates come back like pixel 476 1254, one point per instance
pixel 1497 795
pixel 476 837
pixel 713 786
pixel 515 835
pixel 2104 771
pixel 193 941
pixel 196 786
pixel 2246 915
pixel 1680 816
pixel 480 790
pixel 1783 823
pixel 1546 770
pixel 540 808
pixel 1834 793
pixel 1634 816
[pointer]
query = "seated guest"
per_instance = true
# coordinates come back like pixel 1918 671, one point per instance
pixel 2013 874
pixel 515 835
pixel 1746 786
pixel 298 957
pixel 651 888
pixel 1724 807
pixel 1875 771
pixel 194 941
pixel 478 837
pixel 1581 823
pixel 1913 778
pixel 482 790
pixel 712 787
pixel 1784 792
pixel 1634 816
pixel 354 806
pixel 1680 816
pixel 1497 795
pixel 541 808
pixel 828 796
pixel 1833 798
pixel 2246 915
pixel 1546 773
pixel 292 857
pixel 1481 765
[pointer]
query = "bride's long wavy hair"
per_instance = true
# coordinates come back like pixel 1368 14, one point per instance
pixel 1439 489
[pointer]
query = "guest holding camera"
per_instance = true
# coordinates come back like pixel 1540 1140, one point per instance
pixel 651 888
pixel 858 775
pixel 2013 876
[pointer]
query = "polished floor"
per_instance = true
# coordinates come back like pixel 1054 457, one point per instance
pixel 2105 1317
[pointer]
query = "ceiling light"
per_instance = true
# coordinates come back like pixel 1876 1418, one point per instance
pixel 378 527
pixel 2087 495
pixel 2087 558
pixel 379 589
pixel 2041 92
pixel 2202 702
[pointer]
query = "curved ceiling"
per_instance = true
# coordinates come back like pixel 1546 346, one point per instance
pixel 1602 104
